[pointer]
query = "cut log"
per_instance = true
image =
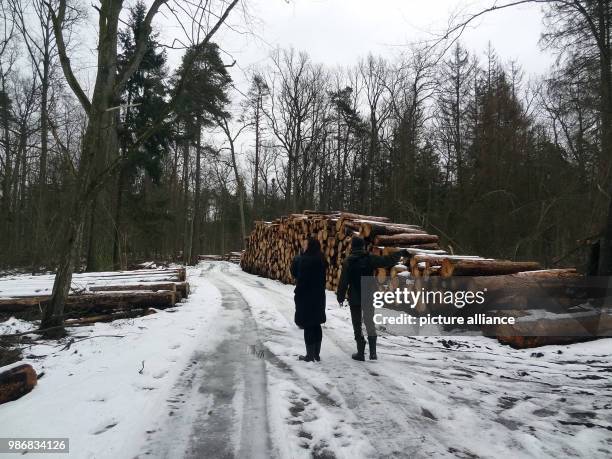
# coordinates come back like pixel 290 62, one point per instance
pixel 564 330
pixel 109 317
pixel 372 229
pixel 433 259
pixel 550 273
pixel 350 216
pixel 103 300
pixel 406 239
pixel 418 251
pixel 153 287
pixel 485 267
pixel 322 212
pixel 16 382
pixel 210 257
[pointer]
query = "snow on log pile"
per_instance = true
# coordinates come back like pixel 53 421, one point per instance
pixel 96 297
pixel 232 257
pixel 271 247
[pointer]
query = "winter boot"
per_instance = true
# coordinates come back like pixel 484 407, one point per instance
pixel 317 351
pixel 372 345
pixel 359 355
pixel 310 353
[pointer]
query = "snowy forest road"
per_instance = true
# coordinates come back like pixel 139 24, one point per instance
pixel 218 376
pixel 425 397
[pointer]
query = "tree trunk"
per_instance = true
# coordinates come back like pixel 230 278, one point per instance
pixel 605 258
pixel 39 245
pixel 197 204
pixel 103 226
pixel 188 228
pixel 256 166
pixel 118 236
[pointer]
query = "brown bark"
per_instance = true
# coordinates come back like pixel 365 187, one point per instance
pixel 16 382
pixel 109 317
pixel 405 239
pixel 106 300
pixel 485 267
pixel 544 332
pixel 372 229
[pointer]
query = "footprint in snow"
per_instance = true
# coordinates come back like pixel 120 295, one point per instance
pixel 544 413
pixel 296 408
pixel 105 426
pixel 160 374
pixel 304 434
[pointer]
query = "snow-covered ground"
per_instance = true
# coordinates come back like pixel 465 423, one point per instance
pixel 218 376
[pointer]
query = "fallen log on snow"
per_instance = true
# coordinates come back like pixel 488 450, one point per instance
pixel 179 274
pixel 101 300
pixel 485 267
pixel 154 287
pixel 210 257
pixel 180 287
pixel 109 317
pixel 549 330
pixel 16 382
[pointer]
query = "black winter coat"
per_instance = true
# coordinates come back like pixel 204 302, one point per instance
pixel 309 275
pixel 360 264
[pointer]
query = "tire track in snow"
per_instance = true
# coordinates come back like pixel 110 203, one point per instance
pixel 393 426
pixel 219 407
pixel 237 382
pixel 501 399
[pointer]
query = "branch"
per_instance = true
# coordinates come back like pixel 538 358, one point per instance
pixel 575 4
pixel 141 45
pixel 184 75
pixel 58 20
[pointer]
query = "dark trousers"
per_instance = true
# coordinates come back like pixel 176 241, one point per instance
pixel 356 320
pixel 366 315
pixel 313 335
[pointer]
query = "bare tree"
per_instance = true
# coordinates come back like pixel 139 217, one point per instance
pixel 99 158
pixel 240 188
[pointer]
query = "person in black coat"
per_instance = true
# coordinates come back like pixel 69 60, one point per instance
pixel 309 270
pixel 361 264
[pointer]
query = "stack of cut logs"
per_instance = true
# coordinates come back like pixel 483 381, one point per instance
pixel 271 247
pixel 232 257
pixel 98 297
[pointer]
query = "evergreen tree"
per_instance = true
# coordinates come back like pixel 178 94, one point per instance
pixel 140 204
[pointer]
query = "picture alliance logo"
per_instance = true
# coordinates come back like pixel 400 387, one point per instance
pixel 412 298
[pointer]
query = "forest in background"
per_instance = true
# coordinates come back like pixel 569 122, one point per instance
pixel 458 141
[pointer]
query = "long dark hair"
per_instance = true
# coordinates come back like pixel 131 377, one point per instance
pixel 313 248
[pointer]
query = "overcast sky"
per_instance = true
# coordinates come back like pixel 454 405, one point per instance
pixel 339 32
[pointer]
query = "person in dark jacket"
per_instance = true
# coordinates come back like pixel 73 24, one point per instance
pixel 362 264
pixel 309 270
